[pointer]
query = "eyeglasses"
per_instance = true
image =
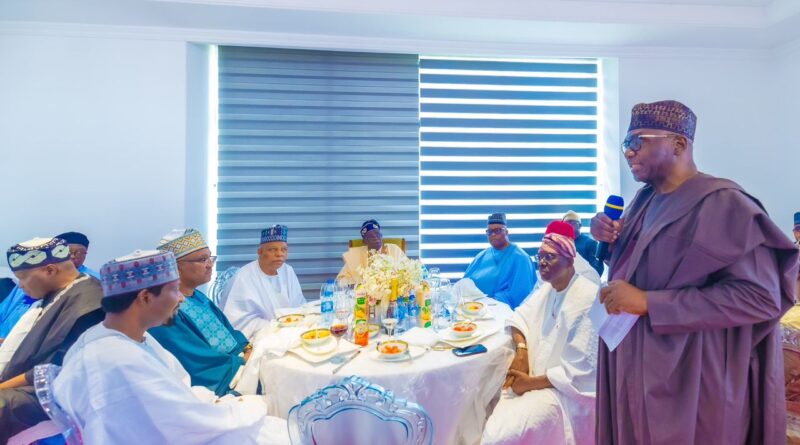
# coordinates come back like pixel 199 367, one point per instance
pixel 549 257
pixel 77 253
pixel 635 142
pixel 496 231
pixel 212 259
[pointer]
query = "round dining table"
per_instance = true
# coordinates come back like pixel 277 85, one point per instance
pixel 455 391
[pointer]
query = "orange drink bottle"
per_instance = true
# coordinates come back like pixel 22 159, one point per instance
pixel 360 326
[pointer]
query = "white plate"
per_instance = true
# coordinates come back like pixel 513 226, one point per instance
pixel 323 348
pixel 482 315
pixel 449 335
pixel 481 333
pixel 413 352
pixel 345 347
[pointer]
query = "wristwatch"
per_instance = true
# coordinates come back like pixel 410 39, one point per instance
pixel 522 345
pixel 248 348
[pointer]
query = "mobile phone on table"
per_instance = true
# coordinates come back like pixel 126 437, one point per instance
pixel 469 350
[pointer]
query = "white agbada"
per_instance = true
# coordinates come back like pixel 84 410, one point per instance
pixel 562 344
pixel 254 297
pixel 120 391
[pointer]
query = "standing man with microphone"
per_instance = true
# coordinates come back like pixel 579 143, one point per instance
pixel 709 275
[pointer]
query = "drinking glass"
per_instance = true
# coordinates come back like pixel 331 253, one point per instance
pixel 389 323
pixel 338 329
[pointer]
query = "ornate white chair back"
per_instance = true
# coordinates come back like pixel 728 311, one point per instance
pixel 356 412
pixel 43 376
pixel 219 289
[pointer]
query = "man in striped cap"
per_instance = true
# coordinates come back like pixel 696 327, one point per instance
pixel 551 382
pixel 64 304
pixel 145 392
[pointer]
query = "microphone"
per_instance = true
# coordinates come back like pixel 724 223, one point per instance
pixel 613 210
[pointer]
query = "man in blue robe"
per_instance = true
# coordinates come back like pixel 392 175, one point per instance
pixel 200 336
pixel 78 248
pixel 503 271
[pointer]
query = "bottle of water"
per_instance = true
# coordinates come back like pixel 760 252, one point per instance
pixel 326 303
pixel 402 314
pixel 413 312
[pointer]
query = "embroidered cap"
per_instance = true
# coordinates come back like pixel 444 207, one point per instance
pixel 497 218
pixel 278 232
pixel 182 242
pixel 37 252
pixel 368 226
pixel 669 115
pixel 137 271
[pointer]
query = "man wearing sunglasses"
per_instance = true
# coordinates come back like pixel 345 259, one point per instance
pixel 199 335
pixel 702 363
pixel 503 271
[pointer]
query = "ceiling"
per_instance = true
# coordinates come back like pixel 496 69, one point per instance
pixel 716 24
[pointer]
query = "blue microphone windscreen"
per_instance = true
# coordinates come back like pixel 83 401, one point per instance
pixel 614 207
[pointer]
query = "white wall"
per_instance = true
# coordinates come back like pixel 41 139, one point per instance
pixel 97 133
pixel 737 101
pixel 92 138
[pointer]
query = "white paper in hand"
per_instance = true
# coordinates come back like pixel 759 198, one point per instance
pixel 612 328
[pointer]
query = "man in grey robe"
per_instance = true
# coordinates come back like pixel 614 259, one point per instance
pixel 69 303
pixel 709 275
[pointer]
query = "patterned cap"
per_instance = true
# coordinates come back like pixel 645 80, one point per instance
pixel 37 252
pixel 669 115
pixel 497 218
pixel 368 225
pixel 559 239
pixel 571 216
pixel 137 271
pixel 75 238
pixel 797 219
pixel 278 232
pixel 182 242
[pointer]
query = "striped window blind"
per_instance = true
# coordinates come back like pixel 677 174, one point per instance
pixel 499 135
pixel 320 141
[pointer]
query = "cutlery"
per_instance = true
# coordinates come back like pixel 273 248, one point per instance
pixel 336 369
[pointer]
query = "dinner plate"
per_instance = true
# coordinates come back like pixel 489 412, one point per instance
pixel 413 352
pixel 448 335
pixel 323 348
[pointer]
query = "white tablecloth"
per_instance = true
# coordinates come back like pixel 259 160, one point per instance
pixel 455 391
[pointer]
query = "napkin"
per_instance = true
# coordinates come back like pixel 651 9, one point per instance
pixel 420 337
pixel 269 340
pixel 466 288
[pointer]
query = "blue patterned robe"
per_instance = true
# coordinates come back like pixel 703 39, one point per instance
pixel 205 343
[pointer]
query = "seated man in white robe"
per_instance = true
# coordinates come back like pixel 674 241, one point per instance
pixel 357 258
pixel 264 285
pixel 552 376
pixel 121 387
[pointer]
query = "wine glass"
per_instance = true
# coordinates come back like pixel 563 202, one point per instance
pixel 450 301
pixel 338 329
pixel 434 276
pixel 390 323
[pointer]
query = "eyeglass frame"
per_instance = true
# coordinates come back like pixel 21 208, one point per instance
pixel 627 143
pixel 212 258
pixel 497 231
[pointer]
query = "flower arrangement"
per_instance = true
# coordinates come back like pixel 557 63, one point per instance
pixel 382 269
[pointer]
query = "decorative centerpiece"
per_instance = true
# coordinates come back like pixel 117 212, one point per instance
pixel 383 273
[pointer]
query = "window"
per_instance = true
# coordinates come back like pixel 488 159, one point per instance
pixel 500 135
pixel 319 141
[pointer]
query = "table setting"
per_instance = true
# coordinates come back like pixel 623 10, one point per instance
pixel 418 363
